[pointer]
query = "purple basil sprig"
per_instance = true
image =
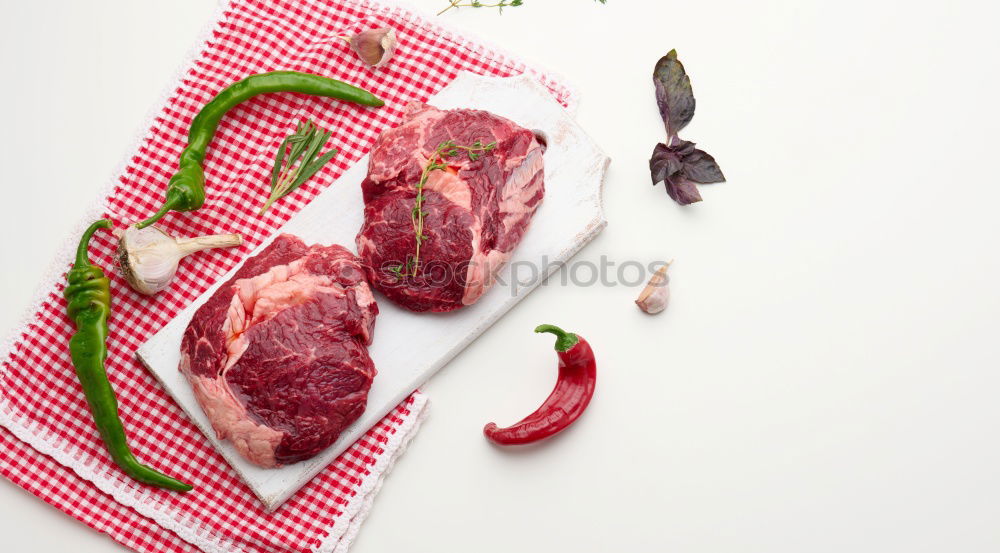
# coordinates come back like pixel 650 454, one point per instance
pixel 677 163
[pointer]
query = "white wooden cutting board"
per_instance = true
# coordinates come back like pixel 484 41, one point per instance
pixel 569 217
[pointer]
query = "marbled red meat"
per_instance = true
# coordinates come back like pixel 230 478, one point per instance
pixel 476 210
pixel 277 357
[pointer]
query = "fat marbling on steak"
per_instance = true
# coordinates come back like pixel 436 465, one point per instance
pixel 277 357
pixel 476 210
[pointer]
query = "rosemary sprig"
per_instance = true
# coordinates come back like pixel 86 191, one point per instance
pixel 437 162
pixel 296 160
pixel 479 4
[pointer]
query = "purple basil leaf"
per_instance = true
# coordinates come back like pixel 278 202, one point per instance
pixel 667 166
pixel 702 168
pixel 673 93
pixel 682 190
pixel 664 163
pixel 681 166
pixel 681 148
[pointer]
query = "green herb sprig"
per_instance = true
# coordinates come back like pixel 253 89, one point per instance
pixel 499 5
pixel 437 162
pixel 297 161
pixel 479 4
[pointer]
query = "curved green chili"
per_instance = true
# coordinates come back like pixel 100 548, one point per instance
pixel 186 189
pixel 88 303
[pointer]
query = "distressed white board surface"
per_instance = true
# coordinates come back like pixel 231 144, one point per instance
pixel 570 216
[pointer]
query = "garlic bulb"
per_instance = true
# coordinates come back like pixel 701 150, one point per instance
pixel 148 257
pixel 374 47
pixel 656 295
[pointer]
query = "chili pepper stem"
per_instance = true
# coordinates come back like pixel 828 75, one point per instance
pixel 167 206
pixel 81 251
pixel 564 340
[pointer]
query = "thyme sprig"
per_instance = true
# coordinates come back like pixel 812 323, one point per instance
pixel 499 5
pixel 479 4
pixel 436 162
pixel 296 160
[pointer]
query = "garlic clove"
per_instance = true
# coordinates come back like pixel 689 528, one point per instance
pixel 656 295
pixel 375 47
pixel 147 258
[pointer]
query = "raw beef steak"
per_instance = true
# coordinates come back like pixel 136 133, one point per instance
pixel 278 355
pixel 476 210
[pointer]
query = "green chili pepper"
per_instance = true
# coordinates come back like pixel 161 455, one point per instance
pixel 186 190
pixel 88 298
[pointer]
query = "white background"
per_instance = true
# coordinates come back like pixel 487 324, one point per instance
pixel 826 377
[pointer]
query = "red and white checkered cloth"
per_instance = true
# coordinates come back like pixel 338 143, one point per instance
pixel 48 443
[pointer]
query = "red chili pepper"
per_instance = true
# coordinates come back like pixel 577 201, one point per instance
pixel 574 388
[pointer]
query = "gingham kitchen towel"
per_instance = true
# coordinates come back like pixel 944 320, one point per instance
pixel 48 443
